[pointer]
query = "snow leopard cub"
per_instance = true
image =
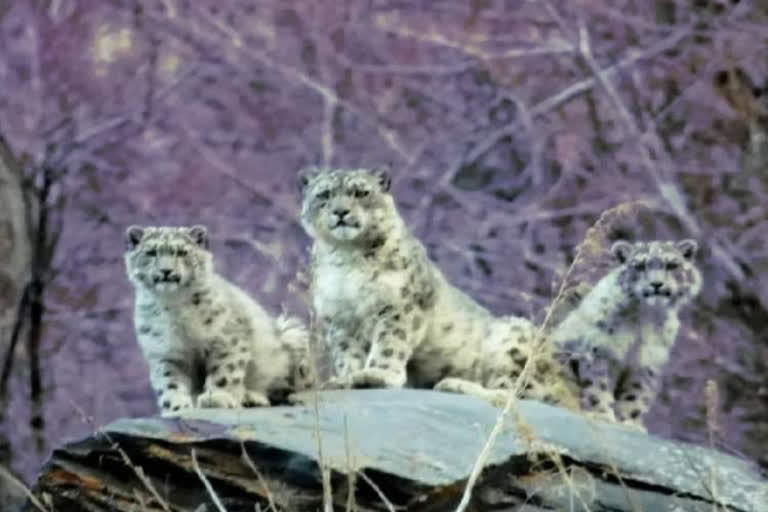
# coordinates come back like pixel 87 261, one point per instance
pixel 387 312
pixel 208 344
pixel 618 339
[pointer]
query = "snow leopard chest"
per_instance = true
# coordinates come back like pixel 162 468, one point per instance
pixel 200 324
pixel 355 291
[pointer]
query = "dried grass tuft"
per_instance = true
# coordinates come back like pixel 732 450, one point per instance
pixel 590 262
pixel 593 259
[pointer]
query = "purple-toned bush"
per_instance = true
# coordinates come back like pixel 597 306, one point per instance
pixel 510 127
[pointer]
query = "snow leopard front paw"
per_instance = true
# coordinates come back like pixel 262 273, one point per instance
pixel 497 397
pixel 455 385
pixel 255 399
pixel 633 425
pixel 216 398
pixel 172 402
pixel 605 415
pixel 337 383
pixel 377 378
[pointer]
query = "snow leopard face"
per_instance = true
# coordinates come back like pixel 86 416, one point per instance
pixel 167 260
pixel 344 207
pixel 658 273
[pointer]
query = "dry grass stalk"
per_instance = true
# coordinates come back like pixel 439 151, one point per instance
pixel 590 265
pixel 305 281
pixel 511 400
pixel 712 401
pixel 351 469
pixel 140 499
pixel 595 243
pixel 206 483
pixel 249 462
pixel 567 476
pixel 627 494
pixel 351 483
pixel 325 473
pixel 327 490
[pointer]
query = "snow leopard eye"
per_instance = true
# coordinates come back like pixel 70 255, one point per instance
pixel 151 253
pixel 672 265
pixel 360 193
pixel 181 252
pixel 324 195
pixel 640 266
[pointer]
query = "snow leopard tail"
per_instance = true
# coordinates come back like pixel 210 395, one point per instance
pixel 546 376
pixel 294 335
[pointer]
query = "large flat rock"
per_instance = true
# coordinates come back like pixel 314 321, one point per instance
pixel 415 447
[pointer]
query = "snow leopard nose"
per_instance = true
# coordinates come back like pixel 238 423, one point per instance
pixel 656 285
pixel 165 272
pixel 341 212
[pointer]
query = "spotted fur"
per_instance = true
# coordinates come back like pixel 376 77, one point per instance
pixel 208 344
pixel 618 339
pixel 388 314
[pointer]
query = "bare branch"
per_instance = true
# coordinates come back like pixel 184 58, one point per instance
pixel 201 40
pixel 659 170
pixel 547 105
pixel 19 322
pixel 329 111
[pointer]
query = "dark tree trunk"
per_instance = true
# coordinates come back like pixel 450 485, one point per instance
pixel 15 269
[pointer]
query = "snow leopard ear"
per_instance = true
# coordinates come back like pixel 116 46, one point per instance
pixel 382 174
pixel 621 249
pixel 305 176
pixel 199 235
pixel 133 236
pixel 687 248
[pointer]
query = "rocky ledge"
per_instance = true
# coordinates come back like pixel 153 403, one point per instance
pixel 404 450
